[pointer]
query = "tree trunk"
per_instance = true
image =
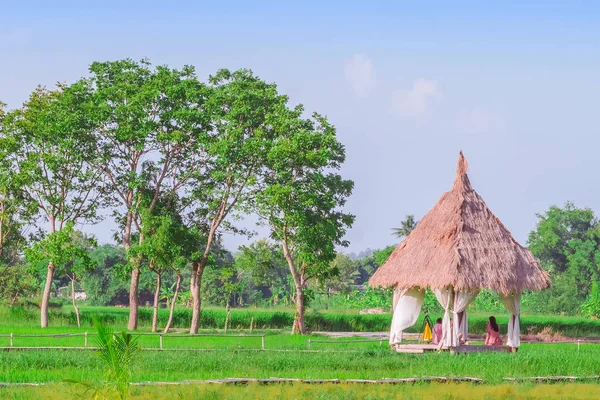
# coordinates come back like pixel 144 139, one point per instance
pixel 300 282
pixel 196 284
pixel 74 302
pixel 155 305
pixel 133 299
pixel 173 301
pixel 46 295
pixel 298 327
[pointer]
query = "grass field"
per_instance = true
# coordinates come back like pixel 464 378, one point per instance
pixel 286 357
pixel 531 360
pixel 327 392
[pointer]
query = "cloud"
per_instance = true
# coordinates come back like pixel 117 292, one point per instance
pixel 418 100
pixel 358 71
pixel 478 120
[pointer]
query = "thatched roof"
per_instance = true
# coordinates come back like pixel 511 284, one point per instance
pixel 461 243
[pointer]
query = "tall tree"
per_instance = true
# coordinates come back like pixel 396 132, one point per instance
pixel 13 208
pixel 567 242
pixel 165 243
pixel 406 227
pixel 150 121
pixel 244 113
pixel 14 283
pixel 54 163
pixel 303 201
pixel 68 250
pixel 78 247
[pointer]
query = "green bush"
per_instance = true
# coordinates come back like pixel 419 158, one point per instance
pixel 591 306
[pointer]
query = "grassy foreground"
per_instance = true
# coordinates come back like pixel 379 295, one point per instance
pixel 327 391
pixel 531 360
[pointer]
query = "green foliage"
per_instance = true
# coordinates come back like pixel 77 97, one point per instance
pixel 303 200
pixel 381 256
pixel 370 298
pixel 54 152
pixel 13 209
pixel 118 353
pixel 431 303
pixel 264 268
pixel 345 274
pixel 490 302
pixel 104 285
pixel 591 306
pixel 15 284
pixel 67 249
pixel 406 227
pixel 567 242
pixel 244 112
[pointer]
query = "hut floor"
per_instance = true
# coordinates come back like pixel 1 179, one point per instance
pixel 416 348
pixel 480 348
pixel 465 348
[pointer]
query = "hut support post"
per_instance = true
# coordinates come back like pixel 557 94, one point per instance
pixel 397 294
pixel 445 297
pixel 460 326
pixel 512 301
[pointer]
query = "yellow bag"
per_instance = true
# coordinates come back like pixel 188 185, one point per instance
pixel 427 335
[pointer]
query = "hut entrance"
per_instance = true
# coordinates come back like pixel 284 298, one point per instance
pixel 457 249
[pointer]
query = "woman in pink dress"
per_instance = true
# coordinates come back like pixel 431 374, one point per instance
pixel 492 333
pixel 437 331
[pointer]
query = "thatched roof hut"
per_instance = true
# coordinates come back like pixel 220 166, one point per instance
pixel 461 247
pixel 461 243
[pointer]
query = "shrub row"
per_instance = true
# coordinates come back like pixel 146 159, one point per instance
pixel 315 321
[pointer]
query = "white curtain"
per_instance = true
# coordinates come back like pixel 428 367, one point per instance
pixel 462 299
pixel 406 312
pixel 512 301
pixel 397 293
pixel 444 296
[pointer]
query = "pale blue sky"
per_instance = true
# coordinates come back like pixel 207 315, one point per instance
pixel 515 86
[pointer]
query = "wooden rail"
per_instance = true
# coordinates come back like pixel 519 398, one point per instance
pixel 161 336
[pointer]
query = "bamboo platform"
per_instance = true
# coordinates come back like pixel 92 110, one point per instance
pixel 480 348
pixel 416 348
pixel 465 348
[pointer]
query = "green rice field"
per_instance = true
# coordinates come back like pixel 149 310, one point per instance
pixel 375 363
pixel 289 356
pixel 282 319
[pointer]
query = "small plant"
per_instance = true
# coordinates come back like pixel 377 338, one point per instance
pixel 118 352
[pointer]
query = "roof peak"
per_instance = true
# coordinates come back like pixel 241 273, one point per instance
pixel 462 165
pixel 462 182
